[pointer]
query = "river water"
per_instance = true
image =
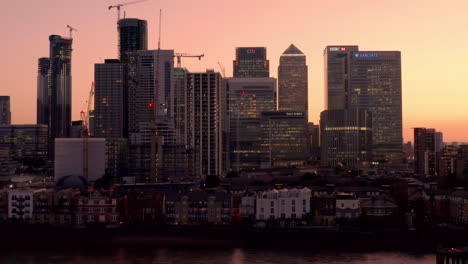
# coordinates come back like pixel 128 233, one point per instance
pixel 207 256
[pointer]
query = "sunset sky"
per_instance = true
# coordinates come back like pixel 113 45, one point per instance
pixel 432 36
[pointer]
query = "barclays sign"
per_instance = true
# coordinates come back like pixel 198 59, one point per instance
pixel 366 55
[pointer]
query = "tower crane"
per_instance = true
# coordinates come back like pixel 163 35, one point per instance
pixel 70 29
pixel 185 55
pixel 223 70
pixel 118 6
pixel 85 133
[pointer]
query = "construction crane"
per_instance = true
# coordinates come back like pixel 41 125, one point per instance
pixel 154 106
pixel 70 29
pixel 185 55
pixel 118 6
pixel 85 133
pixel 223 70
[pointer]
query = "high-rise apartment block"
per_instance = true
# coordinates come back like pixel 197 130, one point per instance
pixel 43 95
pixel 133 36
pixel 292 81
pixel 425 152
pixel 60 86
pixel 110 100
pixel 251 62
pixel 5 113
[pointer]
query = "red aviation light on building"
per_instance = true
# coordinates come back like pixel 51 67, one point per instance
pixel 244 92
pixel 343 49
pixel 150 105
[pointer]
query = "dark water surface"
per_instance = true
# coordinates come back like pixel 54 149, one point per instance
pixel 205 255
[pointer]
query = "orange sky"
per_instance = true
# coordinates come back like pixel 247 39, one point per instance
pixel 432 36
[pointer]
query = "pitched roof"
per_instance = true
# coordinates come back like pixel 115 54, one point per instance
pixel 292 50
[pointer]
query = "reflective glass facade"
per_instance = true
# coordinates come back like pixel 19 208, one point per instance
pixel 60 86
pixel 375 85
pixel 284 137
pixel 292 81
pixel 133 36
pixel 345 137
pixel 43 91
pixel 246 99
pixel 251 62
pixel 336 76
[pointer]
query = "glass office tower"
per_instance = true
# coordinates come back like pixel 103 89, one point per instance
pixel 375 85
pixel 43 91
pixel 292 81
pixel 251 62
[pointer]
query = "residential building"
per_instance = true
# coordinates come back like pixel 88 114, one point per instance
pixel 110 106
pixel 251 62
pixel 43 95
pixel 293 82
pixel 425 158
pixel 5 113
pixel 198 208
pixel 203 122
pixel 97 208
pixel 347 206
pixel 143 76
pixel 21 204
pixel 133 36
pixel 283 204
pixel 143 208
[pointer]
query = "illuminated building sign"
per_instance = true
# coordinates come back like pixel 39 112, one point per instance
pixel 337 49
pixel 366 55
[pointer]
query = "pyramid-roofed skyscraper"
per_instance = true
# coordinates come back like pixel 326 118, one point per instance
pixel 292 81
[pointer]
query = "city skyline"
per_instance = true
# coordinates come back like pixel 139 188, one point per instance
pixel 432 91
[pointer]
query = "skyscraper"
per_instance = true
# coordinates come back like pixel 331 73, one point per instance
pixel 43 95
pixel 143 74
pixel 133 36
pixel 110 100
pixel 425 152
pixel 246 99
pixel 368 80
pixel 203 120
pixel 375 85
pixel 336 76
pixel 292 81
pixel 284 134
pixel 346 137
pixel 251 62
pixel 5 114
pixel 60 86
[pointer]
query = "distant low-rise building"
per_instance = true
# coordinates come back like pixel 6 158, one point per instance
pixel 378 208
pixel 347 206
pixel 20 204
pixel 283 205
pixel 198 208
pixel 459 207
pixel 97 208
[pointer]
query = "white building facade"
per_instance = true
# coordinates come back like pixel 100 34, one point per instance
pixel 283 204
